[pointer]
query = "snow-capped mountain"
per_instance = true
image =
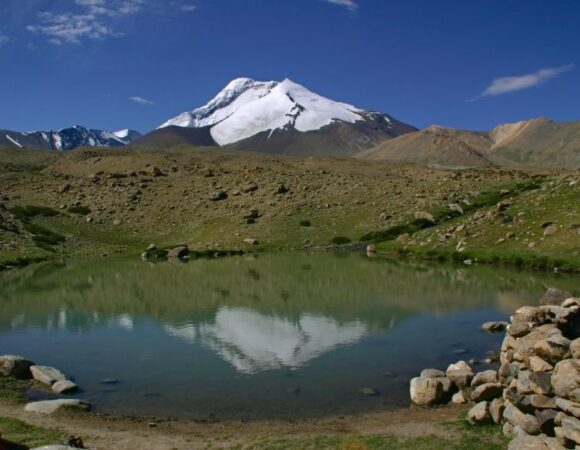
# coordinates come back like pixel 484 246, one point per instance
pixel 285 117
pixel 67 139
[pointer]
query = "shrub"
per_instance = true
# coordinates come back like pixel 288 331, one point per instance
pixel 81 210
pixel 305 223
pixel 340 240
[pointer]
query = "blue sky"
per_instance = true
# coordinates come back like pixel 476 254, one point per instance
pixel 114 64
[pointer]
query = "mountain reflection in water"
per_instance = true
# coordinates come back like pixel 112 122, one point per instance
pixel 252 342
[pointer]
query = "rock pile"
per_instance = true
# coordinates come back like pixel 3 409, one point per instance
pixel 535 392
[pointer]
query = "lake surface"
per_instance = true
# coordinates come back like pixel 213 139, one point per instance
pixel 279 335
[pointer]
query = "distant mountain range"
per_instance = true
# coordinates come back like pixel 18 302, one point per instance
pixel 67 139
pixel 538 142
pixel 287 118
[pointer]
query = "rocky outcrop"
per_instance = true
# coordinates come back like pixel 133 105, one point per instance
pixel 15 366
pixel 536 390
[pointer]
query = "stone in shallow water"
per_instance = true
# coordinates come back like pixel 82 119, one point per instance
pixel 429 391
pixel 64 387
pixel 369 391
pixel 47 375
pixel 431 373
pixel 51 406
pixel 15 366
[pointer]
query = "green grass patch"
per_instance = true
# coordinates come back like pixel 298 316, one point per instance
pixel 461 436
pixel 18 432
pixel 80 210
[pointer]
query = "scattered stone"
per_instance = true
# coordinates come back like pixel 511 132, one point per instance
pixel 249 187
pixel 251 241
pixel 479 414
pixel 52 406
pixel 424 215
pixel 47 375
pixel 15 366
pixel 550 230
pixel 217 196
pixel 281 189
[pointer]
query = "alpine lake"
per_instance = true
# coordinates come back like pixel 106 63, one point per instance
pixel 281 335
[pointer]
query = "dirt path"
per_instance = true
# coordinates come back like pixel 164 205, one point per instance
pixel 107 433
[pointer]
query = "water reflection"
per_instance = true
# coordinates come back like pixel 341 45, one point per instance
pixel 253 342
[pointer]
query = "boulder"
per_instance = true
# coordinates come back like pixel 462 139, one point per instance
pixel 546 420
pixel 460 377
pixel 51 406
pixel 575 348
pixel 251 241
pixel 487 376
pixel 571 428
pixel 47 375
pixel 526 422
pixel 566 377
pixel 554 296
pixel 429 391
pixel 64 387
pixel 562 439
pixel 526 442
pixel 15 366
pixel 431 373
pixel 487 392
pixel 458 398
pixel 525 345
pixel 553 349
pixel 572 408
pixel 479 414
pixel 537 364
pixel 459 365
pixel 496 407
pixel 541 382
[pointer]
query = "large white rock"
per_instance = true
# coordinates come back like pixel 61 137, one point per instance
pixel 51 406
pixel 64 387
pixel 429 391
pixel 47 375
pixel 15 366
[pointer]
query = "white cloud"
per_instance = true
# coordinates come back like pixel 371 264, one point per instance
pixel 141 100
pixel 350 4
pixel 504 85
pixel 188 8
pixel 89 23
pixel 4 39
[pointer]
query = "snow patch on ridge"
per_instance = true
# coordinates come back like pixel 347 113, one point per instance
pixel 14 141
